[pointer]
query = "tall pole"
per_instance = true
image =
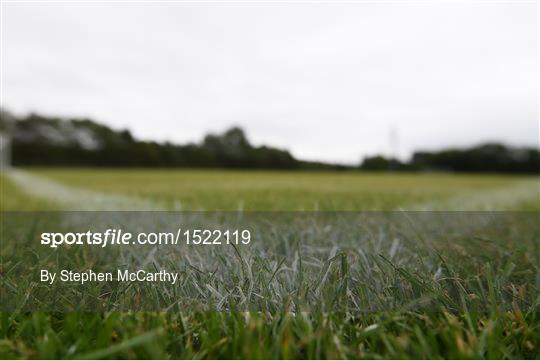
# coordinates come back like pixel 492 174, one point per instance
pixel 394 142
pixel 5 151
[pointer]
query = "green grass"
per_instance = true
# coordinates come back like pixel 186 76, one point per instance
pixel 194 334
pixel 484 302
pixel 14 199
pixel 267 190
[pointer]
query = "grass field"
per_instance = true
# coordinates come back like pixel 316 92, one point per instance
pixel 283 191
pixel 467 282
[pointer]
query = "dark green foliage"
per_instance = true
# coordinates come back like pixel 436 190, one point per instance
pixel 45 141
pixel 486 158
pixel 39 140
pixel 494 158
pixel 379 162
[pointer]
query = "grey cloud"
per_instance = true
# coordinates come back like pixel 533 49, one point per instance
pixel 328 81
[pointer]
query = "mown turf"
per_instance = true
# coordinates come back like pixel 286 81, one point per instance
pixel 285 190
pixel 12 198
pixel 440 331
pixel 254 336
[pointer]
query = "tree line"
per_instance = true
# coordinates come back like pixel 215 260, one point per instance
pixel 485 158
pixel 48 141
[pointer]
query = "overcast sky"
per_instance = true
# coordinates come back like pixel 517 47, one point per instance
pixel 326 81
